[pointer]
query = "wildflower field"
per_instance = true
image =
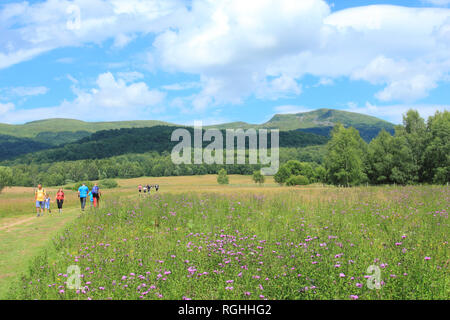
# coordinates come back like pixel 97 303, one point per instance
pixel 296 244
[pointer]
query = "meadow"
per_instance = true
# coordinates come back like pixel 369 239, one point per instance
pixel 201 241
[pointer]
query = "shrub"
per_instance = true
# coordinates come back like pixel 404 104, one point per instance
pixel 222 178
pixel 258 177
pixel 77 185
pixel 108 184
pixel 297 181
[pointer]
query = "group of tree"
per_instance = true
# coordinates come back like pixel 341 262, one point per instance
pixel 418 152
pixel 110 143
pixel 295 172
pixel 6 177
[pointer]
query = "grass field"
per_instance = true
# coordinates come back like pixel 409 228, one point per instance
pixel 197 240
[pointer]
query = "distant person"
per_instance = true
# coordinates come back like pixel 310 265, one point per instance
pixel 47 203
pixel 140 189
pixel 82 194
pixel 149 188
pixel 60 199
pixel 39 197
pixel 156 187
pixel 145 189
pixel 96 194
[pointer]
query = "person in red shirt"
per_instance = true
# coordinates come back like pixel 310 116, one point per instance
pixel 60 199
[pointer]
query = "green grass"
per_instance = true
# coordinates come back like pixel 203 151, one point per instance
pixel 298 244
pixel 23 242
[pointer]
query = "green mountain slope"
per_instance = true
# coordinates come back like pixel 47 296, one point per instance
pixel 109 143
pixel 33 129
pixel 321 122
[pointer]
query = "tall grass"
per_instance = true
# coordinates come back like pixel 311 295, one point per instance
pixel 294 245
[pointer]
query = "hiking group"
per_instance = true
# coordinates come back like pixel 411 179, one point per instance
pixel 146 189
pixel 94 196
pixel 43 198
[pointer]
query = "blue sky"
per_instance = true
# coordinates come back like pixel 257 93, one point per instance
pixel 221 61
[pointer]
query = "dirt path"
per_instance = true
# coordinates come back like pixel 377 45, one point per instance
pixel 22 238
pixel 18 222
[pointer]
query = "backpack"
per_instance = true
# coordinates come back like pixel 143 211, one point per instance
pixel 95 189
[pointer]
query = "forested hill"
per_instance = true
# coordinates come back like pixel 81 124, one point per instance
pixel 45 128
pixel 105 144
pixel 53 133
pixel 321 122
pixel 59 131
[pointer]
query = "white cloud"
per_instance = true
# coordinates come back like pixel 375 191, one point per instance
pixel 122 40
pixel 6 107
pixel 395 112
pixel 259 48
pixel 238 49
pixel 438 2
pixel 30 29
pixel 130 76
pixel 181 86
pixel 29 91
pixel 232 43
pixel 21 92
pixel 111 99
pixel 290 109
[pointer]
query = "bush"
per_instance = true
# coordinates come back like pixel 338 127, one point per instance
pixel 222 178
pixel 6 177
pixel 77 185
pixel 297 181
pixel 258 177
pixel 108 184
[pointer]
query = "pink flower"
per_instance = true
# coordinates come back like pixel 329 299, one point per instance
pixel 359 285
pixel 354 297
pixel 427 258
pixel 341 275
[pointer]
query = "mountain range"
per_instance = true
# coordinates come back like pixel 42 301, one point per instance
pixel 16 140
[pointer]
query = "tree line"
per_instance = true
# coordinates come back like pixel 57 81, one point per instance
pixel 418 152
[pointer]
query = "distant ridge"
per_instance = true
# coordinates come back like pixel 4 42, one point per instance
pixel 320 122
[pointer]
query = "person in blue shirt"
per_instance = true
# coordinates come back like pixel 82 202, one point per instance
pixel 82 194
pixel 91 198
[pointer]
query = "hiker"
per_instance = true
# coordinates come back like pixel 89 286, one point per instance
pixel 96 195
pixel 47 203
pixel 156 187
pixel 39 197
pixel 145 190
pixel 149 188
pixel 91 199
pixel 140 189
pixel 82 194
pixel 60 199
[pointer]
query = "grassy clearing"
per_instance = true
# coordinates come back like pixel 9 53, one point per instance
pixel 21 242
pixel 242 244
pixel 22 237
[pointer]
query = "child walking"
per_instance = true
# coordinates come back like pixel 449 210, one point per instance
pixel 47 203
